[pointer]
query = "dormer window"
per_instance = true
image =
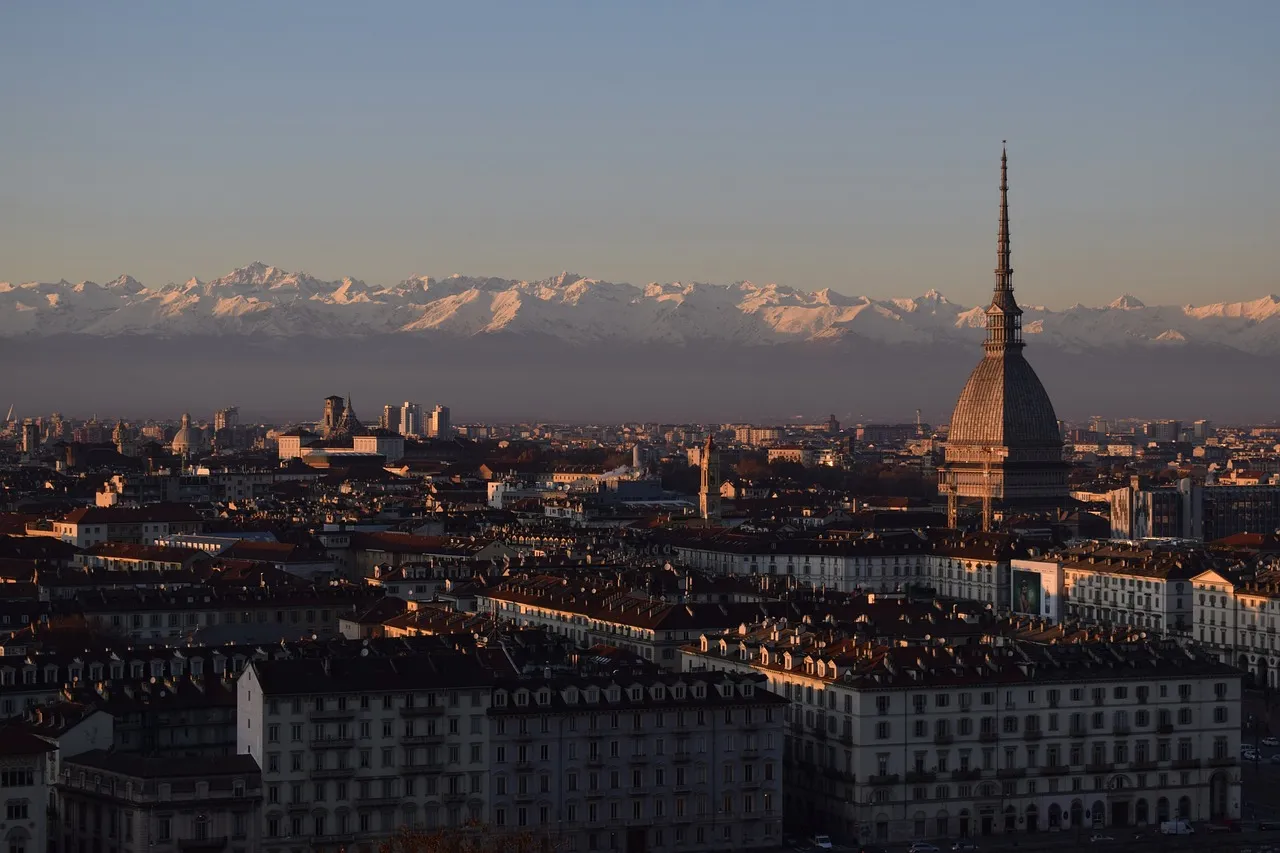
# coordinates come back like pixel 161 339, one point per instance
pixel 699 691
pixel 636 694
pixel 659 692
pixel 593 695
pixel 748 690
pixel 522 698
pixel 614 694
pixel 500 699
pixel 544 697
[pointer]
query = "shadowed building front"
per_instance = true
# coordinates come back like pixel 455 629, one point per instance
pixel 1004 448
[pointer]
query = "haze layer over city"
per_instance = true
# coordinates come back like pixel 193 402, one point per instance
pixel 516 428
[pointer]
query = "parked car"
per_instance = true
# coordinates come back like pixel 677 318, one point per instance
pixel 1270 741
pixel 822 842
pixel 964 844
pixel 1275 759
pixel 922 847
pixel 1097 836
pixel 1269 825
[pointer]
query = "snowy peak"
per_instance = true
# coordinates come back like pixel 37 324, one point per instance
pixel 1126 303
pixel 260 299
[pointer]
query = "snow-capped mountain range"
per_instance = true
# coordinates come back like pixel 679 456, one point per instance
pixel 262 300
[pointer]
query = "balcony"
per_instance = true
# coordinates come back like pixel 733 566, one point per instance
pixel 682 757
pixel 377 801
pixel 966 775
pixel 886 779
pixel 1187 764
pixel 335 714
pixel 988 737
pixel 333 773
pixel 333 743
pixel 1076 731
pixel 1032 734
pixel 1099 767
pixel 749 753
pixel 420 740
pixel 1011 773
pixel 1225 761
pixel 1054 770
pixel 423 711
pixel 218 843
pixel 942 738
pixel 345 839
pixel 1164 729
pixel 1120 729
pixel 917 776
pixel 847 740
pixel 1142 765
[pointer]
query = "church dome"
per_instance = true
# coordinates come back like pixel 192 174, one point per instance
pixel 1004 404
pixel 184 440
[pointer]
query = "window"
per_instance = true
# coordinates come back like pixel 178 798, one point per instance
pixel 16 810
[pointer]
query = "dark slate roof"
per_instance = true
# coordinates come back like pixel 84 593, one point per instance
pixel 434 671
pixel 149 767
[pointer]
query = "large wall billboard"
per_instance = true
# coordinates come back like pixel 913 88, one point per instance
pixel 1026 593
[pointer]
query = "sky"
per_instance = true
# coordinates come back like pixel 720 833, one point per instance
pixel 851 145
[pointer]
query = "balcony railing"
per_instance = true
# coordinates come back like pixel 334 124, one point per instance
pixel 1032 734
pixel 333 773
pixel 943 738
pixel 886 779
pixel 333 714
pixel 1186 764
pixel 1011 773
pixel 1054 770
pixel 1120 729
pixel 1142 765
pixel 917 776
pixel 217 843
pixel 419 740
pixel 1099 767
pixel 988 737
pixel 422 711
pixel 966 775
pixel 1164 729
pixel 332 743
pixel 1225 761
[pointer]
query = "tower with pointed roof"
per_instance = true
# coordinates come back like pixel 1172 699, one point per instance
pixel 1004 448
pixel 709 492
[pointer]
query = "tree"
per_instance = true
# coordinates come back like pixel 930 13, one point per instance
pixel 474 838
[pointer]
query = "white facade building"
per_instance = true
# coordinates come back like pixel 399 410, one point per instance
pixel 905 742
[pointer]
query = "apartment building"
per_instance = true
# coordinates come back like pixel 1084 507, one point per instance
pixel 119 803
pixel 890 742
pixel 93 525
pixel 972 566
pixel 1235 620
pixel 353 748
pixel 220 615
pixel 596 612
pixel 653 762
pixel 28 763
pixel 1115 583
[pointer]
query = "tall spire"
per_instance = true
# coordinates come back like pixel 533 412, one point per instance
pixel 1004 317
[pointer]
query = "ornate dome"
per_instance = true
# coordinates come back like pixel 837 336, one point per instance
pixel 1004 405
pixel 184 440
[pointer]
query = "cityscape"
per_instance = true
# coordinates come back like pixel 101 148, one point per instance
pixel 478 564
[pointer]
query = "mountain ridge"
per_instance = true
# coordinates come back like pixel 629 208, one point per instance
pixel 260 299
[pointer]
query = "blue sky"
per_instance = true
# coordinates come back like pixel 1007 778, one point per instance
pixel 848 145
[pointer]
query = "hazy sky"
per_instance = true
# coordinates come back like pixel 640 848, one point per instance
pixel 852 145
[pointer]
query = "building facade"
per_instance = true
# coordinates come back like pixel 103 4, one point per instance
pixel 891 743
